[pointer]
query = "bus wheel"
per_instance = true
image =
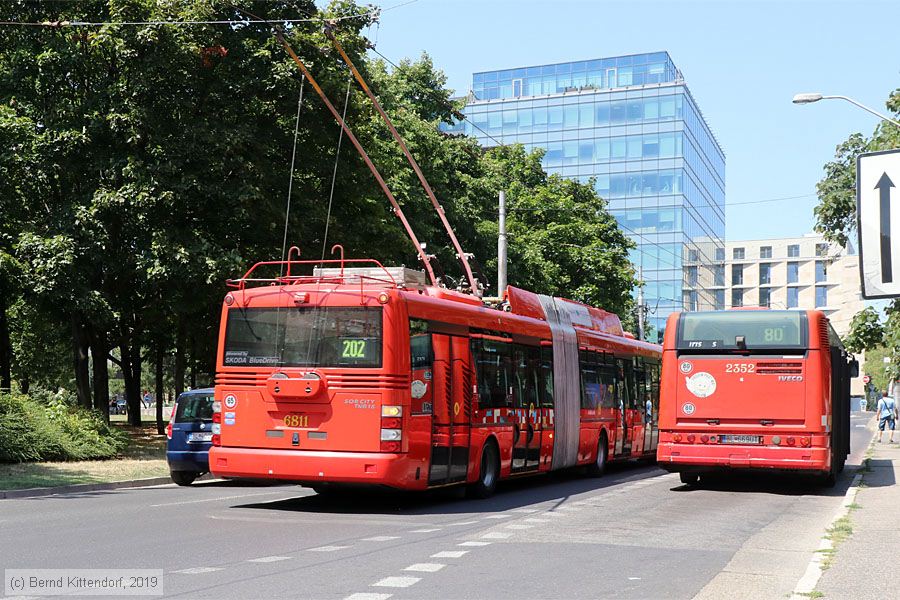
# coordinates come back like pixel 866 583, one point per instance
pixel 830 479
pixel 689 478
pixel 489 473
pixel 599 466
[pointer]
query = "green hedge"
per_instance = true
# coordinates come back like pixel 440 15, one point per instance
pixel 48 426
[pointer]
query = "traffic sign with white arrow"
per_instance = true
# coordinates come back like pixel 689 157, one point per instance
pixel 879 248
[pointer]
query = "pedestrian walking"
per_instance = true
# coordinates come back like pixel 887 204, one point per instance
pixel 887 416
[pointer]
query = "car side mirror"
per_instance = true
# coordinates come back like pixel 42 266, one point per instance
pixel 854 368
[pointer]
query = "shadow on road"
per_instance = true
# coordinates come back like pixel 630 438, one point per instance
pixel 782 484
pixel 558 487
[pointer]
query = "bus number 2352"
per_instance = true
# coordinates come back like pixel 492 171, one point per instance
pixel 740 368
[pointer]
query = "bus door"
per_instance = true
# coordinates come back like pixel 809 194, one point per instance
pixel 525 400
pixel 451 381
pixel 624 376
pixel 651 406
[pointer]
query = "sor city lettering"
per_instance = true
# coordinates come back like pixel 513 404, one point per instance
pixel 360 402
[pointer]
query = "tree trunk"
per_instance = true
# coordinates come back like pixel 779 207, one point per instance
pixel 5 348
pixel 179 357
pixel 193 362
pixel 160 385
pixel 131 372
pixel 100 352
pixel 80 360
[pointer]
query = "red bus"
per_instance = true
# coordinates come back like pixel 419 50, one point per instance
pixel 754 389
pixel 370 376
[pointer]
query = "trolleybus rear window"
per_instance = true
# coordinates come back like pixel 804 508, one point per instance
pixel 303 337
pixel 722 330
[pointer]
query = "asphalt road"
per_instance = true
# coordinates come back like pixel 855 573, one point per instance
pixel 635 533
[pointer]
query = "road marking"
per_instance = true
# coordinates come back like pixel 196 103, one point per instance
pixel 517 526
pixel 425 567
pixel 863 426
pixel 554 514
pixel 197 570
pixel 526 510
pixel 217 499
pixel 474 544
pixel 326 548
pixel 399 582
pixel 426 530
pixel 464 523
pixel 268 559
pixel 814 570
pixel 498 516
pixel 368 596
pixel 496 535
pixel 381 538
pixel 634 579
pixel 533 520
pixel 450 554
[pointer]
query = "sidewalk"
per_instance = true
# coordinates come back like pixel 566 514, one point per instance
pixel 865 564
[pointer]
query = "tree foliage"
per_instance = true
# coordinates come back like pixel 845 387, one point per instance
pixel 150 163
pixel 866 331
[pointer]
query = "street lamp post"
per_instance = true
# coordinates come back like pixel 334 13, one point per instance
pixel 810 98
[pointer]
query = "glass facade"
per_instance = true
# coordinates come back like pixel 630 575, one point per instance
pixel 630 125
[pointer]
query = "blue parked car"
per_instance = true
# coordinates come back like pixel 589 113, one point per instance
pixel 190 436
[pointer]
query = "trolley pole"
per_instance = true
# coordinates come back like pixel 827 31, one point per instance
pixel 640 306
pixel 501 247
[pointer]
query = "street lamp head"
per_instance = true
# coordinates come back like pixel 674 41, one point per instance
pixel 806 98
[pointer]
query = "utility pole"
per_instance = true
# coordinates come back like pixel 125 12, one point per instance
pixel 640 306
pixel 501 247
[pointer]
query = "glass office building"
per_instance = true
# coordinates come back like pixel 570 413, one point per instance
pixel 630 124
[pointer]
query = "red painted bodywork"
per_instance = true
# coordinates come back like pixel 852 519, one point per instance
pixel 799 407
pixel 340 442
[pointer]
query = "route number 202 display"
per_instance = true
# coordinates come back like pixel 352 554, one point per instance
pixel 740 368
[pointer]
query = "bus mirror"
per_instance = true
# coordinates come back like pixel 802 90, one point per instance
pixel 741 342
pixel 854 368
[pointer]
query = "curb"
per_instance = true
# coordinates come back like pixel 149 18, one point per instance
pixel 90 487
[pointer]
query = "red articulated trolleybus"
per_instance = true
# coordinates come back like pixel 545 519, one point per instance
pixel 369 376
pixel 754 389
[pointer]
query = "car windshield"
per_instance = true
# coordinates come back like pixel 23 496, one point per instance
pixel 194 407
pixel 760 329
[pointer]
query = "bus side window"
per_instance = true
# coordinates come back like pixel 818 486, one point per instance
pixel 590 380
pixel 607 386
pixel 654 391
pixel 492 363
pixel 420 361
pixel 623 387
pixel 546 375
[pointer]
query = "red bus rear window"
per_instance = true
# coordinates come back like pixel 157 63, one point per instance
pixel 763 329
pixel 303 337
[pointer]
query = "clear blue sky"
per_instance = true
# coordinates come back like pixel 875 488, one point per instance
pixel 743 61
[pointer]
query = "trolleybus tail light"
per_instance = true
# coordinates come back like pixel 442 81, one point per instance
pixel 791 441
pixel 704 438
pixel 217 417
pixel 301 298
pixel 805 442
pixel 390 446
pixel 217 406
pixel 776 439
pixel 391 423
pixel 676 437
pixel 691 437
pixel 216 440
pixel 383 297
pixel 229 299
pixel 391 435
pixel 713 439
pixel 391 411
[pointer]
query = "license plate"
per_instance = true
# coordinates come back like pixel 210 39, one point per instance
pixel 199 437
pixel 739 439
pixel 296 420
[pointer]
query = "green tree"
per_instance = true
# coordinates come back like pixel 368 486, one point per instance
pixel 866 331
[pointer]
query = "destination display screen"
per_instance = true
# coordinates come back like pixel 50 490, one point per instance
pixel 303 337
pixel 723 330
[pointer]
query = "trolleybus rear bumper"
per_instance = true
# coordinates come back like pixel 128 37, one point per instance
pixel 687 457
pixel 312 467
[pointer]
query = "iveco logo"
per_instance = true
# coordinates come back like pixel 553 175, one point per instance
pixel 790 378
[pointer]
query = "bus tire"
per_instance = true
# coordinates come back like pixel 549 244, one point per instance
pixel 488 473
pixel 690 479
pixel 183 477
pixel 598 467
pixel 829 480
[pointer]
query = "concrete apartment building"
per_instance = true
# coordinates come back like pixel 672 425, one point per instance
pixel 804 272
